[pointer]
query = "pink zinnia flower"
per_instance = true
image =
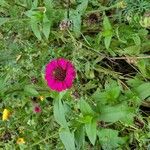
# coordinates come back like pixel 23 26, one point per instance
pixel 60 74
pixel 37 109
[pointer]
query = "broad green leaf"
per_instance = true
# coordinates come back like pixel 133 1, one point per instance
pixel 106 24
pixel 80 137
pixel 82 7
pixel 107 41
pixel 49 8
pixel 30 90
pixel 85 119
pixel 143 90
pixel 35 27
pixel 110 95
pixel 85 108
pixel 67 139
pixel 107 33
pixel 109 139
pixel 46 26
pixel 113 91
pixel 131 50
pixel 59 113
pixel 100 97
pixel 76 19
pixel 91 130
pixel 115 113
pixel 135 82
pixel 144 68
pixel 3 20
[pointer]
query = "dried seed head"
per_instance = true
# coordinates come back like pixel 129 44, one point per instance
pixel 93 18
pixel 75 94
pixel 65 24
pixel 34 80
pixel 6 136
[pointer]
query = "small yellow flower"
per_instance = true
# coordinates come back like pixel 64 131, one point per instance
pixel 20 141
pixel 6 114
pixel 41 98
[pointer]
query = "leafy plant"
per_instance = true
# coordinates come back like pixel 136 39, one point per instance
pixel 108 44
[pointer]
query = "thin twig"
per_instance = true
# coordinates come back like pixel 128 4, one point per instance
pixel 139 57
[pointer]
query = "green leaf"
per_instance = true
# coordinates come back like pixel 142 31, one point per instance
pixel 101 98
pixel 143 90
pixel 131 50
pixel 109 139
pixel 136 39
pixel 49 8
pixel 85 119
pixel 107 41
pixel 85 108
pixel 134 82
pixel 120 37
pixel 144 68
pixel 59 113
pixel 106 24
pixel 3 20
pixel 82 7
pixel 30 90
pixel 107 33
pixel 76 19
pixel 91 130
pixel 35 27
pixel 110 95
pixel 113 91
pixel 115 113
pixel 80 137
pixel 35 4
pixel 46 26
pixel 67 139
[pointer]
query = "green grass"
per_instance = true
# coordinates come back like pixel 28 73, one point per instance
pixel 108 43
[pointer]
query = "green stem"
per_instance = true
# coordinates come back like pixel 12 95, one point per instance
pixel 18 20
pixel 102 8
pixel 43 140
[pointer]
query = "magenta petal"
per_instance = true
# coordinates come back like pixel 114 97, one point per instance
pixel 62 63
pixel 60 87
pixel 68 83
pixel 51 65
pixel 52 84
